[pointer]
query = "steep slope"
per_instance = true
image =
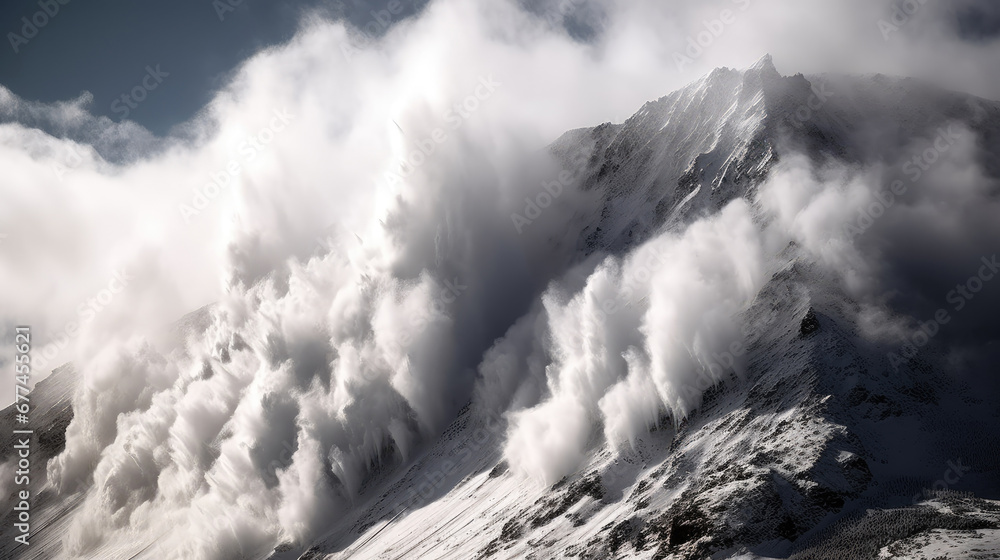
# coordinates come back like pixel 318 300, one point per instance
pixel 689 153
pixel 51 412
pixel 819 430
pixel 797 455
pixel 678 157
pixel 815 432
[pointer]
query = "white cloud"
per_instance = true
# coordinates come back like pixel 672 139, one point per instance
pixel 354 356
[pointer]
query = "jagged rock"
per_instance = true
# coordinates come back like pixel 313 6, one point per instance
pixel 810 323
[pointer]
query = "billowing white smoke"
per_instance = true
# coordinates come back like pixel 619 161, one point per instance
pixel 641 340
pixel 332 354
pixel 303 395
pixel 647 334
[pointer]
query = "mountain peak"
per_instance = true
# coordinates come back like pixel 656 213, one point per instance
pixel 763 69
pixel 764 63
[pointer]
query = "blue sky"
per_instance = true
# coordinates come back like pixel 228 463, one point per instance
pixel 105 47
pixel 552 82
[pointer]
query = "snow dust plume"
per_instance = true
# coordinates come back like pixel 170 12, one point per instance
pixel 641 340
pixel 331 352
pixel 345 209
pixel 648 333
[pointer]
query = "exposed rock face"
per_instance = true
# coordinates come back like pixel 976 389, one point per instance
pixel 785 459
pixel 808 436
pixel 810 323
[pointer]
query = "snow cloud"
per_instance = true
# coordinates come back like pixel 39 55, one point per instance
pixel 329 354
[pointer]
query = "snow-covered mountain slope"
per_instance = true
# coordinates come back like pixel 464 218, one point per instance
pixel 50 413
pixel 692 151
pixel 807 442
pixel 819 428
pixel 682 155
pixel 814 433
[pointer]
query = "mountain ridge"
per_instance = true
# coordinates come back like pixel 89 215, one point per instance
pixel 781 457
